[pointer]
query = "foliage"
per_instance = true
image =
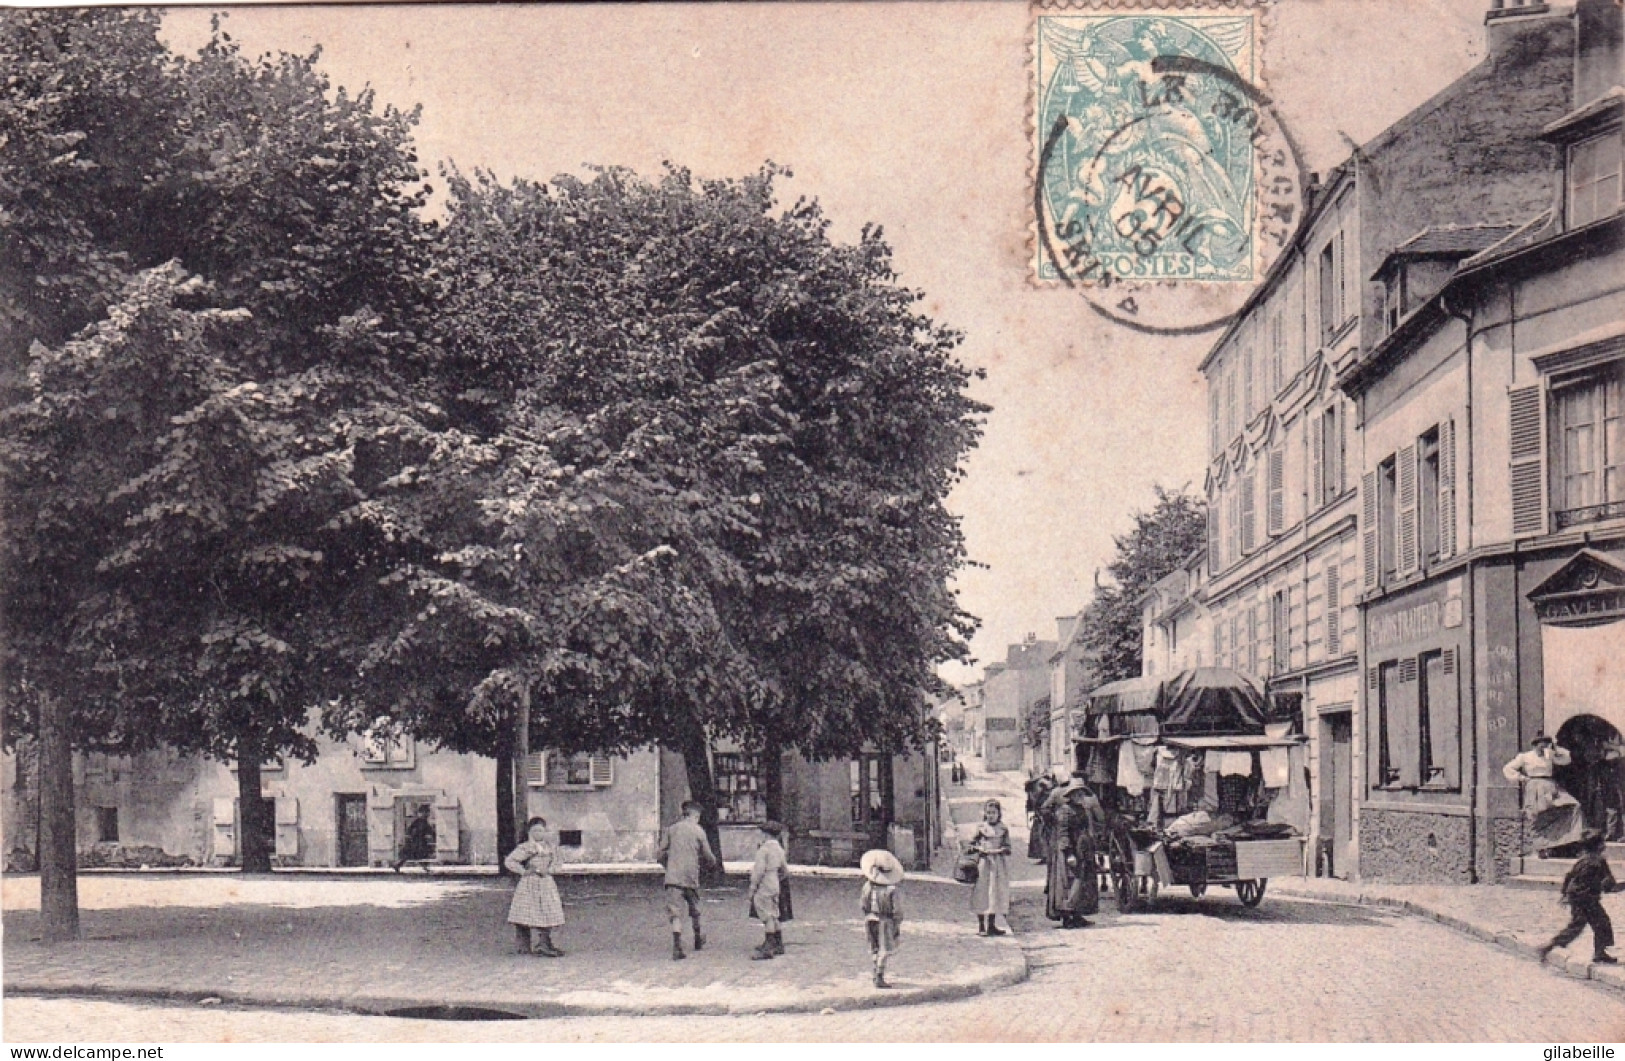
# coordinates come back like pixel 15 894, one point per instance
pixel 1161 541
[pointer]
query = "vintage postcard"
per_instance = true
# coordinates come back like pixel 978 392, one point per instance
pixel 964 522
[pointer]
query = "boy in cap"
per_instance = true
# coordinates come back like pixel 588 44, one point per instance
pixel 1583 889
pixel 683 847
pixel 770 864
pixel 882 906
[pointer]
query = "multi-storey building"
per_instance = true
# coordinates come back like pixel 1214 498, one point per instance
pixel 1492 467
pixel 1178 632
pixel 1283 545
pixel 1009 691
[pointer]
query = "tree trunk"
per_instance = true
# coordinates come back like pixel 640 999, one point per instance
pixel 773 781
pixel 519 789
pixel 507 839
pixel 702 788
pixel 58 832
pixel 256 842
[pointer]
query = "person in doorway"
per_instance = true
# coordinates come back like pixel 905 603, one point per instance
pixel 765 874
pixel 419 845
pixel 683 848
pixel 1552 817
pixel 536 909
pixel 991 846
pixel 881 901
pixel 1583 888
pixel 1072 883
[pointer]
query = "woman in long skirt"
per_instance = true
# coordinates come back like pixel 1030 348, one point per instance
pixel 1071 885
pixel 536 909
pixel 991 896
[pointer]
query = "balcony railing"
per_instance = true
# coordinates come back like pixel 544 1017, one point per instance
pixel 1573 517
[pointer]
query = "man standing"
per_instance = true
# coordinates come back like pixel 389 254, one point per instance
pixel 1583 890
pixel 683 847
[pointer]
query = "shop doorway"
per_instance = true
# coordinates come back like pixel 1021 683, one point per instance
pixel 1595 774
pixel 352 813
pixel 1337 791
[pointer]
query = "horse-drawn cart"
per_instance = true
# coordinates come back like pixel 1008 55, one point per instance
pixel 1199 786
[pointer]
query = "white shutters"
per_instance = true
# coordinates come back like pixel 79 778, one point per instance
pixel 1317 464
pixel 1405 511
pixel 1275 516
pixel 1368 528
pixel 1527 451
pixel 602 771
pixel 1213 562
pixel 1447 489
pixel 287 826
pixel 447 826
pixel 535 770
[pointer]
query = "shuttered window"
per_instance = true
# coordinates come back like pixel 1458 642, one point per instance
pixel 1447 489
pixel 1527 452
pixel 1439 715
pixel 1334 612
pixel 1368 529
pixel 1275 517
pixel 1317 465
pixel 1213 561
pixel 1405 510
pixel 1249 517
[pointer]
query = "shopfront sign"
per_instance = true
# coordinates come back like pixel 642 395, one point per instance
pixel 1589 590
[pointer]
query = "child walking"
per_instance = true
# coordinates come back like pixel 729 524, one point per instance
pixel 770 865
pixel 536 909
pixel 882 906
pixel 1583 888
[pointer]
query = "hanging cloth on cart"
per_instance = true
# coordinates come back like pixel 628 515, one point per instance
pixel 1276 767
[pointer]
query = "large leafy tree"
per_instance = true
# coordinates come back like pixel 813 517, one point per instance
pixel 1161 541
pixel 708 449
pixel 208 294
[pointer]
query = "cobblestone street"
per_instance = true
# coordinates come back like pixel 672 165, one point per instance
pixel 1190 971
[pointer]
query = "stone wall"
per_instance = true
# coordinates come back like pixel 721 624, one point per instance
pixel 1401 847
pixel 1505 838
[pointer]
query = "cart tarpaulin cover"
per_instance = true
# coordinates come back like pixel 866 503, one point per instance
pixel 1212 700
pixel 1127 696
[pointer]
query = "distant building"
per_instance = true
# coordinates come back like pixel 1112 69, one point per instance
pixel 1009 690
pixel 1071 676
pixel 1178 631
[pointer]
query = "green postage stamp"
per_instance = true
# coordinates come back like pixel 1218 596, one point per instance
pixel 1157 158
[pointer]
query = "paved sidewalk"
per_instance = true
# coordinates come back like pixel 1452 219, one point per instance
pixel 374 945
pixel 1515 919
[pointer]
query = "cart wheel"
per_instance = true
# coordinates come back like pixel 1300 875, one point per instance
pixel 1250 892
pixel 1198 889
pixel 1125 885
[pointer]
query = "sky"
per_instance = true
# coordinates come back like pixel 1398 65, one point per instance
pixel 912 116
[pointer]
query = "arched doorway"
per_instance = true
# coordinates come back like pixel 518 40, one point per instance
pixel 1596 773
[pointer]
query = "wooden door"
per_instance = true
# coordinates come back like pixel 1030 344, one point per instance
pixel 352 813
pixel 1341 793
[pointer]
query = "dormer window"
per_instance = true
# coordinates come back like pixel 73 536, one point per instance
pixel 1593 178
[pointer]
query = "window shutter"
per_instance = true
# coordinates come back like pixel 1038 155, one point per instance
pixel 1405 509
pixel 1276 515
pixel 603 771
pixel 1447 489
pixel 447 826
pixel 536 770
pixel 1213 536
pixel 1342 271
pixel 1334 453
pixel 1252 639
pixel 1334 612
pixel 1368 528
pixel 1317 464
pixel 1527 446
pixel 1249 519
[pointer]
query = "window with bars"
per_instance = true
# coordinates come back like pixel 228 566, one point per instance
pixel 1593 178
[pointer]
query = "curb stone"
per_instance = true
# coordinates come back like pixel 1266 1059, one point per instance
pixel 1606 977
pixel 1009 975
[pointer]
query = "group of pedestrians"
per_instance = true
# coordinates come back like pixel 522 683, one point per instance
pixel 685 852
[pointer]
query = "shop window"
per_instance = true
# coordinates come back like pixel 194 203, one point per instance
pixel 1593 178
pixel 107 825
pixel 741 787
pixel 870 778
pixel 1587 440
